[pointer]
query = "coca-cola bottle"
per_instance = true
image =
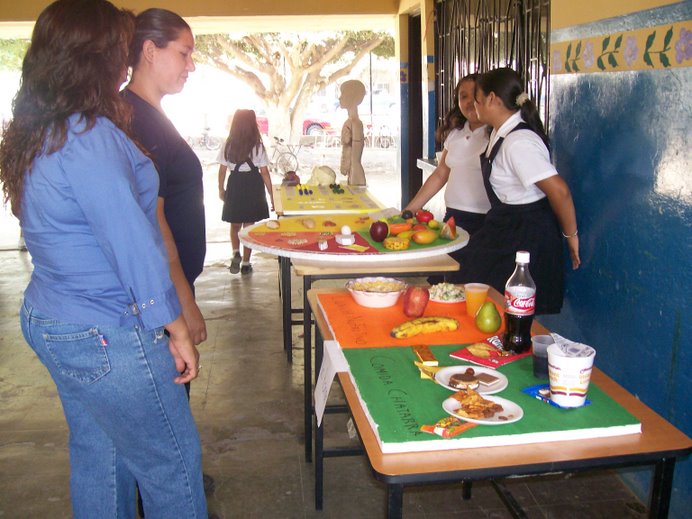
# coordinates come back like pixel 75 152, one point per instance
pixel 520 304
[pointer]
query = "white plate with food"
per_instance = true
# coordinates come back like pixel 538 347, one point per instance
pixel 447 293
pixel 484 380
pixel 489 410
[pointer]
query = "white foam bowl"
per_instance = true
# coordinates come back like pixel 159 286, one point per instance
pixel 374 298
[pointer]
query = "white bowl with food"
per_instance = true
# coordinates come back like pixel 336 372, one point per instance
pixel 376 292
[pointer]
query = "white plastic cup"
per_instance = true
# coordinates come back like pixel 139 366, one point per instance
pixel 540 345
pixel 569 370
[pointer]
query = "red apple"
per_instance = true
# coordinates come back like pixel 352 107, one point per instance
pixel 415 301
pixel 379 231
pixel 424 216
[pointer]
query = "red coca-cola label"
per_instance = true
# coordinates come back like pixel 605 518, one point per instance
pixel 520 304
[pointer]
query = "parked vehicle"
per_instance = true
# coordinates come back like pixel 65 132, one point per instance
pixel 311 126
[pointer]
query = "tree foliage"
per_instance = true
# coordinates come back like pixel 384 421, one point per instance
pixel 12 54
pixel 286 69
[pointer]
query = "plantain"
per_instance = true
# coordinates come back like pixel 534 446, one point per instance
pixel 428 324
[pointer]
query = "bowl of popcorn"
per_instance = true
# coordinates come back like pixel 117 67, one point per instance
pixel 376 292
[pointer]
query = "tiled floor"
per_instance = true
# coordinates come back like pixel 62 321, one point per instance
pixel 248 405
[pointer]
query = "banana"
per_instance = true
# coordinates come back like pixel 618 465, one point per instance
pixel 424 325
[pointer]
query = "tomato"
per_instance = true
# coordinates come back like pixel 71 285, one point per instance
pixel 424 216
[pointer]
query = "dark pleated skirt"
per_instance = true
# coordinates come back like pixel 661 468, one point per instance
pixel 245 200
pixel 490 254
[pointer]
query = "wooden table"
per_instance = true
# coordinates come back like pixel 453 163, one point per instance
pixel 316 265
pixel 313 270
pixel 659 444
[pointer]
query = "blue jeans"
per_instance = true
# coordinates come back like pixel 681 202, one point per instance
pixel 129 422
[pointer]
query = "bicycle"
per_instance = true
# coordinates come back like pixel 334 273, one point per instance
pixel 208 141
pixel 284 158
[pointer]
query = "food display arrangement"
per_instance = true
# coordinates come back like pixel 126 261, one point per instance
pixel 471 384
pixel 334 198
pixel 366 234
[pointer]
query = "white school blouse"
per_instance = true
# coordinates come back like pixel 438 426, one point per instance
pixel 522 161
pixel 465 190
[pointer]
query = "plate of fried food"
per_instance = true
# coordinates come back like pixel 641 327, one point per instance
pixel 471 406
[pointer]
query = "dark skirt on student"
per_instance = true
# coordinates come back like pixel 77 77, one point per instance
pixel 245 200
pixel 489 256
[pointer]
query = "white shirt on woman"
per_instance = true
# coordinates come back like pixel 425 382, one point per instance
pixel 258 157
pixel 465 190
pixel 522 161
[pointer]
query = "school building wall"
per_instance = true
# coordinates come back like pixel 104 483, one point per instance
pixel 621 113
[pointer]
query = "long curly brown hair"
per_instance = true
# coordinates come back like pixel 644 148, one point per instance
pixel 75 63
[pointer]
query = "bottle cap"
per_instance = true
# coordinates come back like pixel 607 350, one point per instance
pixel 523 256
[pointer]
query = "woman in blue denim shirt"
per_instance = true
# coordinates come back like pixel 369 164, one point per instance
pixel 100 294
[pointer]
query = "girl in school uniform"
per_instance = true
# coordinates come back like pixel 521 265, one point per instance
pixel 244 201
pixel 531 205
pixel 459 169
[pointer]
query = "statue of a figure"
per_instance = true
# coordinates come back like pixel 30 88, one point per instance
pixel 352 135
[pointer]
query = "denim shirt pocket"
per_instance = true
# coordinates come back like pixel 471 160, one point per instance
pixel 79 354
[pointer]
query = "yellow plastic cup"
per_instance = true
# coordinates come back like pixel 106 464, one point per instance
pixel 476 294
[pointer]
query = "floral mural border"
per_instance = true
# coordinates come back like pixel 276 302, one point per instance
pixel 660 47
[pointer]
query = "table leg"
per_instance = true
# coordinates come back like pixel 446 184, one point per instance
pixel 466 489
pixel 662 486
pixel 285 272
pixel 395 501
pixel 307 368
pixel 508 499
pixel 319 431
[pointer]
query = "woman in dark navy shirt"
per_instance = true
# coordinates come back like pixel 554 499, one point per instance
pixel 161 58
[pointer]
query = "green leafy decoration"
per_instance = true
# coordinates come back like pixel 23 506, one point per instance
pixel 649 41
pixel 662 57
pixel 609 54
pixel 606 42
pixel 618 42
pixel 571 61
pixel 569 53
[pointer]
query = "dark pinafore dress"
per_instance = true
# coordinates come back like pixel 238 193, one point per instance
pixel 245 201
pixel 489 256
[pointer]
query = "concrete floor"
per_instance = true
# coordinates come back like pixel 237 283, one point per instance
pixel 248 406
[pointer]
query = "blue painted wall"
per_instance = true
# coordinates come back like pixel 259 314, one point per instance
pixel 622 142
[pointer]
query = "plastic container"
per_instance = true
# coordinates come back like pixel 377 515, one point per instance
pixel 376 292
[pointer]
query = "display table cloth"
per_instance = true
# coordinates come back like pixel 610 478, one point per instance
pixel 398 402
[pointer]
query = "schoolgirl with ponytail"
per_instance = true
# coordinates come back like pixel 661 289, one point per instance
pixel 531 205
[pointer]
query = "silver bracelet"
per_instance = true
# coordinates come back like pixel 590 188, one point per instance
pixel 570 235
